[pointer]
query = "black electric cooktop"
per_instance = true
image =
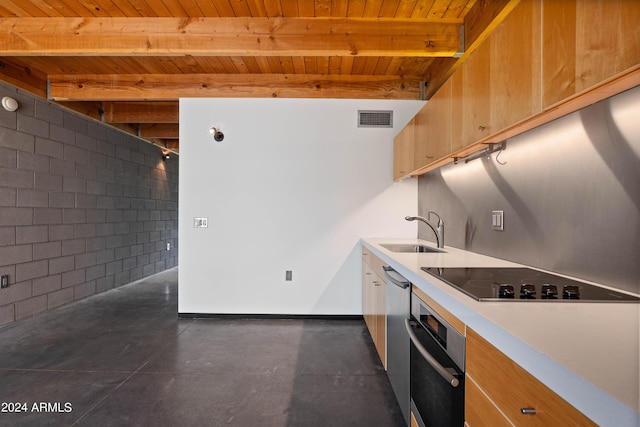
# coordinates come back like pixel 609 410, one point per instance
pixel 524 284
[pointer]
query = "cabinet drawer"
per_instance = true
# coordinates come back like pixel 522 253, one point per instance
pixel 511 388
pixel 479 410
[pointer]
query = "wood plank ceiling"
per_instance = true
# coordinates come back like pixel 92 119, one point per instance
pixel 127 62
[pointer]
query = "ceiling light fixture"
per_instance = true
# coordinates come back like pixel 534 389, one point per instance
pixel 166 155
pixel 217 134
pixel 9 103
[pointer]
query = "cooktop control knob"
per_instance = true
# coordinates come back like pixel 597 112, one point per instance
pixel 506 291
pixel 549 291
pixel 527 291
pixel 571 292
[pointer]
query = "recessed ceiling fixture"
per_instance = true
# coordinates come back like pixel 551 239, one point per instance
pixel 9 103
pixel 217 134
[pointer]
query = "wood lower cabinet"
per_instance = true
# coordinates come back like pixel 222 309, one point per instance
pixel 374 302
pixel 413 421
pixel 479 410
pixel 497 389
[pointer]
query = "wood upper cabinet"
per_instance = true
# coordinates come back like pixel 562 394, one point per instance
pixel 545 60
pixel 515 77
pixel 559 44
pixel 586 42
pixel 433 128
pixel 403 151
pixel 498 389
pixel 471 119
pixel 500 83
pixel 374 302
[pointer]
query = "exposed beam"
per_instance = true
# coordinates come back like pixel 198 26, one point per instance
pixel 482 19
pixel 172 144
pixel 241 36
pixel 159 130
pixel 129 87
pixel 23 77
pixel 89 109
pixel 141 112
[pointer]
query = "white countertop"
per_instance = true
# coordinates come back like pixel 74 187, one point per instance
pixel 588 353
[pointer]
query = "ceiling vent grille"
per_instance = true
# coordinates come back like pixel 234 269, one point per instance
pixel 375 119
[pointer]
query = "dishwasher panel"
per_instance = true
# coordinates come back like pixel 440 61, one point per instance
pixel 398 342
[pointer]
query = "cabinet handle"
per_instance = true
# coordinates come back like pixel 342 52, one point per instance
pixel 376 283
pixel 481 128
pixel 528 411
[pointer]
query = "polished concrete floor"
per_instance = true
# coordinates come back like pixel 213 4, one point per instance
pixel 123 358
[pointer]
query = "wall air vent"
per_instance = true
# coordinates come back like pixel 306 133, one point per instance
pixel 375 119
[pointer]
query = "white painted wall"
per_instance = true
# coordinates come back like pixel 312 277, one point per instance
pixel 293 186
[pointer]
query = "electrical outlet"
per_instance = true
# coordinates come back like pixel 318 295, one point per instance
pixel 200 222
pixel 4 282
pixel 497 218
pixel 168 246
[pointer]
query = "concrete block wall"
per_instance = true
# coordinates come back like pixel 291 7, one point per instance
pixel 84 207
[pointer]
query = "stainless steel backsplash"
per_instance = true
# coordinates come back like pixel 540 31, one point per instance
pixel 570 192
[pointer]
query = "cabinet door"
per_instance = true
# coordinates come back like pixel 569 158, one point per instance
pixel 558 51
pixel 607 39
pixel 374 302
pixel 586 42
pixel 515 66
pixel 403 151
pixel 368 299
pixel 479 411
pixel 381 321
pixel 433 128
pixel 510 388
pixel 470 99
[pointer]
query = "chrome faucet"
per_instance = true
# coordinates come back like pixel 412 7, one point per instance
pixel 438 230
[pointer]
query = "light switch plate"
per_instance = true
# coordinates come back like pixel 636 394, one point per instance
pixel 497 220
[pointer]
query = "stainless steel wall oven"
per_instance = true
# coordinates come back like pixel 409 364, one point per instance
pixel 437 368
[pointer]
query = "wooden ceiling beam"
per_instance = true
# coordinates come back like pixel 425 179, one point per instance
pixel 159 130
pixel 280 36
pixel 128 87
pixel 24 77
pixel 172 144
pixel 89 109
pixel 141 112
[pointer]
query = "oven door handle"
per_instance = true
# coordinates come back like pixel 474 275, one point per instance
pixel 444 373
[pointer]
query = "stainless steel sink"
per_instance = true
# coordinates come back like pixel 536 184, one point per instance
pixel 408 247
